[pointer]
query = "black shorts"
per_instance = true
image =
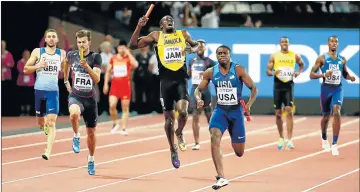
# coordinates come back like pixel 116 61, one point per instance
pixel 88 108
pixel 172 91
pixel 283 96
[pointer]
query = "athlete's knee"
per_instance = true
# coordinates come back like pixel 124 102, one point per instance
pixel 90 132
pixel 41 121
pixel 112 106
pixel 74 111
pixel 278 114
pixel 215 136
pixel 288 110
pixel 183 112
pixel 326 117
pixel 51 122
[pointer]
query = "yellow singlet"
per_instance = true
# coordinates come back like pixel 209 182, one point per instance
pixel 286 63
pixel 171 50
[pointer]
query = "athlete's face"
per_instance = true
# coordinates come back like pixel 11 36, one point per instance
pixel 284 43
pixel 51 39
pixel 121 49
pixel 202 48
pixel 167 23
pixel 333 43
pixel 223 56
pixel 83 43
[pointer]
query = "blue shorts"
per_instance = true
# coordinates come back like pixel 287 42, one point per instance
pixel 232 120
pixel 329 97
pixel 46 102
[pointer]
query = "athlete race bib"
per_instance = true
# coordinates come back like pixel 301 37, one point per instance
pixel 226 96
pixel 196 77
pixel 83 81
pixel 334 79
pixel 286 74
pixel 173 54
pixel 120 70
pixel 26 78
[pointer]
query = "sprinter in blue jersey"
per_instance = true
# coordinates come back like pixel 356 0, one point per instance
pixel 228 78
pixel 47 62
pixel 333 67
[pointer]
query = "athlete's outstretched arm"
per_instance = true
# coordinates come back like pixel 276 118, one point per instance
pixel 319 62
pixel 135 41
pixel 194 44
pixel 345 71
pixel 96 70
pixel 203 84
pixel 249 83
pixel 300 62
pixel 270 66
pixel 30 66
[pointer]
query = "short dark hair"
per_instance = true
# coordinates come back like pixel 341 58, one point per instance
pixel 83 33
pixel 122 42
pixel 50 30
pixel 223 46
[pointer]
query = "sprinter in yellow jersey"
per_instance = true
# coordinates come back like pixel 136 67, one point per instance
pixel 171 47
pixel 283 64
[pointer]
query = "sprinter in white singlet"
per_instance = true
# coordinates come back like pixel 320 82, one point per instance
pixel 47 62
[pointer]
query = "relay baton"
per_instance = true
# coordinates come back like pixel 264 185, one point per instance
pixel 81 54
pixel 247 114
pixel 149 10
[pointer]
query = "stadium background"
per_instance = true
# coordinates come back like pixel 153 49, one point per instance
pixel 251 29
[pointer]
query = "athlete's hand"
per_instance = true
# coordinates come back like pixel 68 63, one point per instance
pixel 43 64
pixel 189 49
pixel 83 63
pixel 328 73
pixel 106 89
pixel 200 103
pixel 142 21
pixel 296 74
pixel 248 110
pixel 352 78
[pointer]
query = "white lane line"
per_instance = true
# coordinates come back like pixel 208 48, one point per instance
pixel 113 145
pixel 229 154
pixel 139 155
pixel 331 180
pixel 82 127
pixel 282 164
pixel 84 136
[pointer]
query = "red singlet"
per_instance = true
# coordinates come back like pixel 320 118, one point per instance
pixel 121 81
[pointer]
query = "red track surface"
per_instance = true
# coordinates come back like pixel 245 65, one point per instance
pixel 141 161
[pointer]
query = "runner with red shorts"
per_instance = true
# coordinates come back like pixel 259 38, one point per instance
pixel 120 69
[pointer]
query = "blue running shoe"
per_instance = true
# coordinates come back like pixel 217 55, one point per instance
pixel 76 145
pixel 175 160
pixel 91 167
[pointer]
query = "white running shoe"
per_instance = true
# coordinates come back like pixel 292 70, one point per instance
pixel 196 147
pixel 220 182
pixel 326 145
pixel 334 150
pixel 123 132
pixel 290 145
pixel 115 128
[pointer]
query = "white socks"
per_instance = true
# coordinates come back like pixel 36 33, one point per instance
pixel 91 158
pixel 77 135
